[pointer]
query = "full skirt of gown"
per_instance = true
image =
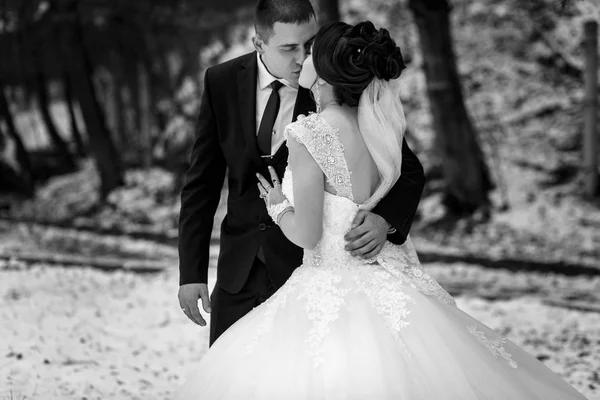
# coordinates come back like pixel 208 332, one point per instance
pixel 342 329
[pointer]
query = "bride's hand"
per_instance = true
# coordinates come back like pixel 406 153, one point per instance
pixel 270 193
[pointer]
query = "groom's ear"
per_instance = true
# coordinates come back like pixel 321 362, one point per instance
pixel 258 44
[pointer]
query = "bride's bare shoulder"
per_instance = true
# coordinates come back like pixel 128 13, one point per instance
pixel 340 119
pixel 334 116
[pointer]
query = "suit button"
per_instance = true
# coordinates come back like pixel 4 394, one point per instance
pixel 262 226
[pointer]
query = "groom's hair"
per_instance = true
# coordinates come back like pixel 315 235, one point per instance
pixel 268 12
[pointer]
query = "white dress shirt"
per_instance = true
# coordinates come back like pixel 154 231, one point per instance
pixel 287 95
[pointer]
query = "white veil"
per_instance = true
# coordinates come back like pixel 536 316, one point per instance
pixel 382 124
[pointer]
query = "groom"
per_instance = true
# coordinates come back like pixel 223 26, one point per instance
pixel 245 106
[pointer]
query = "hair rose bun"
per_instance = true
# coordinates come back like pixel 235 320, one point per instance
pixel 349 57
pixel 376 51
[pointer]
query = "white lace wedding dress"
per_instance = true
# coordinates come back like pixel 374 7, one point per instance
pixel 345 328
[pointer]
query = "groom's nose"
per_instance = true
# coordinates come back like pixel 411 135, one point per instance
pixel 301 55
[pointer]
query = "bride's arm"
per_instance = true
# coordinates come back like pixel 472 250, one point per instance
pixel 304 225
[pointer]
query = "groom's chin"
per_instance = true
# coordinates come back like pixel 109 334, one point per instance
pixel 293 80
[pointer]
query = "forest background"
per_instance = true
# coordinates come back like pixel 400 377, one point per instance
pixel 98 103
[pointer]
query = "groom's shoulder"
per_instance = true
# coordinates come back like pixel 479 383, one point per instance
pixel 229 67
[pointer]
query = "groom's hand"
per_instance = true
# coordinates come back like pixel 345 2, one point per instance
pixel 367 236
pixel 188 301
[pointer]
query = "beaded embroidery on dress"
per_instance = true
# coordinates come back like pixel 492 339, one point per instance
pixel 347 328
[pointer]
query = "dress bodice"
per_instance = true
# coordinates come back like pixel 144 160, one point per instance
pixel 338 213
pixel 339 210
pixel 323 143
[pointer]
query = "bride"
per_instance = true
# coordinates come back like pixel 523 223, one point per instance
pixel 344 327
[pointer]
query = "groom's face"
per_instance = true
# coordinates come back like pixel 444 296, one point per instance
pixel 285 51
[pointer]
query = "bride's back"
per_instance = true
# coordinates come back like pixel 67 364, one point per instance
pixel 364 173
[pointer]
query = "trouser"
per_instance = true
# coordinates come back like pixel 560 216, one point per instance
pixel 227 307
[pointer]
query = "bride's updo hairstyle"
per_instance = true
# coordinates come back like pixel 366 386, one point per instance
pixel 349 57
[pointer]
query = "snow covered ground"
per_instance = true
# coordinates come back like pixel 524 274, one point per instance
pixel 78 333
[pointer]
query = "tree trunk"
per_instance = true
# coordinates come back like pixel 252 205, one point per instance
pixel 121 140
pixel 328 10
pixel 590 141
pixel 76 134
pixel 133 107
pixel 32 50
pixel 75 131
pixel 467 177
pixel 107 159
pixel 145 116
pixel 105 86
pixel 44 104
pixel 22 155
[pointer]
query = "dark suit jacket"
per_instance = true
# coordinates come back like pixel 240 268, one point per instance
pixel 226 139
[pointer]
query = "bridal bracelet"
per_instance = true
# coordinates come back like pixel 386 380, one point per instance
pixel 276 211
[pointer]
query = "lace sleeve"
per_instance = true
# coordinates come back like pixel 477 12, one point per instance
pixel 324 145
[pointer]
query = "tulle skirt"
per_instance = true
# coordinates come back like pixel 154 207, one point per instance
pixel 367 333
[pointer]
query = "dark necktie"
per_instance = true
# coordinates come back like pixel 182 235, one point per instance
pixel 268 120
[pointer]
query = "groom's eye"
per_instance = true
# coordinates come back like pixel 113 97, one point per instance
pixel 309 46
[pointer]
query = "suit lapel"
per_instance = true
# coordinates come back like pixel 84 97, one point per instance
pixel 247 76
pixel 304 105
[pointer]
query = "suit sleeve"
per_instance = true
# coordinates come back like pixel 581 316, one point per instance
pixel 399 206
pixel 200 194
